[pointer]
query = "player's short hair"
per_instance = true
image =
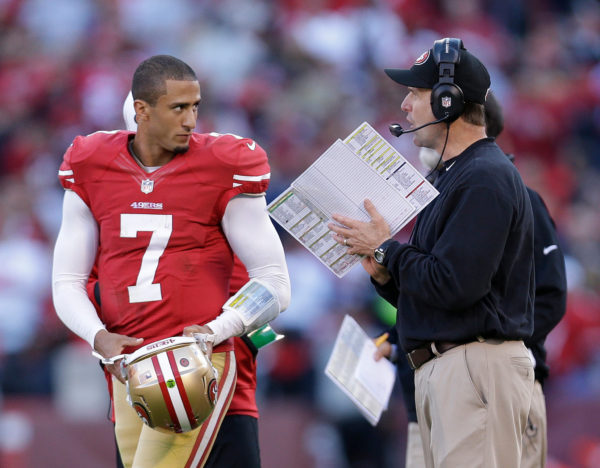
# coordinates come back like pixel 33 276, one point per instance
pixel 149 79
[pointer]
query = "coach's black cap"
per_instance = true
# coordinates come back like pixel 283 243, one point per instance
pixel 470 75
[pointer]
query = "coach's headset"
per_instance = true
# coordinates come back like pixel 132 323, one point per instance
pixel 447 99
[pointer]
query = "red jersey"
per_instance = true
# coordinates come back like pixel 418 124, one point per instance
pixel 163 261
pixel 244 397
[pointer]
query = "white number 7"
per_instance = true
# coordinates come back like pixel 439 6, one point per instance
pixel 161 227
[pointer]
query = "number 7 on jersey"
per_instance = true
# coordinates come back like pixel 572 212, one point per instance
pixel 161 227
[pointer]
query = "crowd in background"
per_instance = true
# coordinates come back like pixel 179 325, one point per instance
pixel 295 75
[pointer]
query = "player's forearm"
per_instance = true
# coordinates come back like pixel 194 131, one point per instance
pixel 74 308
pixel 254 240
pixel 74 255
pixel 275 276
pixel 253 306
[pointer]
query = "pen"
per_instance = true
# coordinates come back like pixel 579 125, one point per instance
pixel 379 341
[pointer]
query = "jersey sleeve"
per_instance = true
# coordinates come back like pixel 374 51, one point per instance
pixel 252 174
pixel 249 170
pixel 69 173
pixel 87 159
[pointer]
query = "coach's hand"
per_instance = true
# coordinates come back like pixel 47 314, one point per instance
pixel 377 271
pixel 363 238
pixel 360 237
pixel 384 350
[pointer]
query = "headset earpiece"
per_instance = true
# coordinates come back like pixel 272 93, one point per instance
pixel 447 98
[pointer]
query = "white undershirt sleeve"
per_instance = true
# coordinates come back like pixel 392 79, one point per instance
pixel 74 256
pixel 255 241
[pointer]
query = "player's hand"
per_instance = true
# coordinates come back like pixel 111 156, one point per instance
pixel 112 344
pixel 361 238
pixel 203 333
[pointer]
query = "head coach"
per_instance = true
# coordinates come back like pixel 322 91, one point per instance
pixel 464 283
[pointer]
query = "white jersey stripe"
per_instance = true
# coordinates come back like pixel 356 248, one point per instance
pixel 213 419
pixel 165 368
pixel 65 173
pixel 235 184
pixel 252 178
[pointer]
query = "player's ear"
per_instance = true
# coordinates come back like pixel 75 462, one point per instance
pixel 141 110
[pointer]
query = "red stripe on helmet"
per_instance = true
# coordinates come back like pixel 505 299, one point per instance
pixel 165 394
pixel 181 388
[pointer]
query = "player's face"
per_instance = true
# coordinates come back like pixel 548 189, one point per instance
pixel 418 108
pixel 173 118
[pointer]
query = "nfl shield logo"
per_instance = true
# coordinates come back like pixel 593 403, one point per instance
pixel 147 186
pixel 446 101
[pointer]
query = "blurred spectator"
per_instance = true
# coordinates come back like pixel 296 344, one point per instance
pixel 24 294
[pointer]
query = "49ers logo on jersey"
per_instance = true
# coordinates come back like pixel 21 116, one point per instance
pixel 138 205
pixel 212 391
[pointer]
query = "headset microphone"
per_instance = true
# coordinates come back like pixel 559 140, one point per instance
pixel 397 130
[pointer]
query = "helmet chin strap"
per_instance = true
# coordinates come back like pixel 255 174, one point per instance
pixel 202 339
pixel 108 361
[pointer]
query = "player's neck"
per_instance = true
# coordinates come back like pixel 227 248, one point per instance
pixel 133 154
pixel 150 155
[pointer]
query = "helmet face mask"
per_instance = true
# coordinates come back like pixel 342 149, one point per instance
pixel 171 384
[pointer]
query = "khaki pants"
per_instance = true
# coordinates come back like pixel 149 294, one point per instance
pixel 143 447
pixel 472 405
pixel 535 444
pixel 415 458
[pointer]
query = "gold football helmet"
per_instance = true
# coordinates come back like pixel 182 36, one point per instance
pixel 171 384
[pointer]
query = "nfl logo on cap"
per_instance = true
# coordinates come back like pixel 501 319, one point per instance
pixel 446 101
pixel 147 186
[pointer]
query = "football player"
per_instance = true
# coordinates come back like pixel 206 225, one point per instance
pixel 165 209
pixel 236 444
